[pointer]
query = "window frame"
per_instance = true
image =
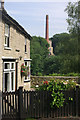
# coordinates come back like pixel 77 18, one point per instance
pixel 7 37
pixel 10 71
pixel 10 66
pixel 28 78
pixel 25 45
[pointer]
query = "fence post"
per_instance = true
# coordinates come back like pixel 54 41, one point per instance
pixel 77 88
pixel 20 103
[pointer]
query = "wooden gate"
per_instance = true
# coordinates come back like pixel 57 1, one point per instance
pixel 10 105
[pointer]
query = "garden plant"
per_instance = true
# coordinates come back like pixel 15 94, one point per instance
pixel 24 70
pixel 57 89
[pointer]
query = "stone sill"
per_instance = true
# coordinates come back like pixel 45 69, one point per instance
pixel 27 80
pixel 25 52
pixel 7 48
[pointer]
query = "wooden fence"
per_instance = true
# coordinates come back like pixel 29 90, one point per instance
pixel 36 104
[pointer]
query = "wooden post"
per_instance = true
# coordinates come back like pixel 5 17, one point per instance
pixel 20 103
pixel 77 88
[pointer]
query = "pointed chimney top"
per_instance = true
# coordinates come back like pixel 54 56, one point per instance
pixel 2 4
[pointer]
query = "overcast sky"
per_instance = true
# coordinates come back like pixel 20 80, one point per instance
pixel 32 15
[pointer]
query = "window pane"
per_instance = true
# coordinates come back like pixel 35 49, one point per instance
pixel 29 73
pixel 25 77
pixel 8 42
pixel 25 41
pixel 7 82
pixel 5 39
pixel 26 63
pixel 12 80
pixel 7 65
pixel 25 48
pixel 12 65
pixel 28 70
pixel 7 29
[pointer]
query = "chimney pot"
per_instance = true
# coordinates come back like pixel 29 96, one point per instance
pixel 2 4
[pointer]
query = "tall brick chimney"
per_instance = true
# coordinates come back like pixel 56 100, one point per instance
pixel 47 28
pixel 2 4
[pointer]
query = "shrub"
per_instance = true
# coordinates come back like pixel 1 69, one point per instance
pixel 57 87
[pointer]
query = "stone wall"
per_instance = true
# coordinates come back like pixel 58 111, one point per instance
pixel 37 80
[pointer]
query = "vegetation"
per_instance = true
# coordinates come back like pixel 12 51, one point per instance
pixel 57 89
pixel 30 119
pixel 68 74
pixel 39 51
pixel 66 48
pixel 24 70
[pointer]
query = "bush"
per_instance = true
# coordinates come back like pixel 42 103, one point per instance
pixel 39 74
pixel 57 87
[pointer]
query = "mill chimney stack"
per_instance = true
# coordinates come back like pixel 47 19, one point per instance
pixel 2 4
pixel 47 28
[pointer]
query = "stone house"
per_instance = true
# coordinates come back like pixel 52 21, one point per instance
pixel 14 51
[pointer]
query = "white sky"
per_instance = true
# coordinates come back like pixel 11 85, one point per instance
pixel 31 14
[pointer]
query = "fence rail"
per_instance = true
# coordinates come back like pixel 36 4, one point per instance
pixel 36 104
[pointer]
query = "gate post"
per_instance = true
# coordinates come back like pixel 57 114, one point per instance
pixel 20 103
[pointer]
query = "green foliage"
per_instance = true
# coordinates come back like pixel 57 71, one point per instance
pixel 61 64
pixel 69 64
pixel 40 74
pixel 57 95
pixel 66 51
pixel 73 11
pixel 57 89
pixel 58 40
pixel 68 74
pixel 73 17
pixel 52 65
pixel 71 99
pixel 39 51
pixel 30 119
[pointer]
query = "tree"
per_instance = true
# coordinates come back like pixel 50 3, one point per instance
pixel 52 65
pixel 39 51
pixel 66 47
pixel 59 41
pixel 73 17
pixel 73 10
